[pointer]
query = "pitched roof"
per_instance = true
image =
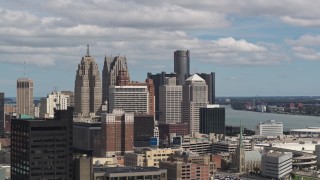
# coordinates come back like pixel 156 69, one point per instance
pixel 195 77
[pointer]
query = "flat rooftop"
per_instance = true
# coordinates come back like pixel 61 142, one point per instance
pixel 124 169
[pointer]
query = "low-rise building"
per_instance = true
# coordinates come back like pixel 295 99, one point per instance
pixel 228 146
pixel 276 165
pixel 269 128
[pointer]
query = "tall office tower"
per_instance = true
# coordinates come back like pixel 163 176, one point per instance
pixel 212 120
pixel 71 97
pixel 25 96
pixel 182 65
pixel 122 78
pixel 210 80
pixel 158 80
pixel 194 96
pixel 133 99
pixel 117 133
pixel 111 69
pixel 170 96
pixel 42 149
pixel 2 122
pixel 87 89
pixel 54 100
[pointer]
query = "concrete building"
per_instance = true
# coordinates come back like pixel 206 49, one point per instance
pixel 170 102
pixel 54 100
pixel 24 96
pixel 197 143
pixel 147 157
pixel 181 170
pixel 2 115
pixel 144 129
pixel 195 96
pixel 87 89
pixel 269 128
pixel 117 133
pixel 182 65
pixel 151 173
pixel 42 149
pixel 111 69
pixel 133 99
pixel 276 165
pixel 82 168
pixel 228 146
pixel 211 82
pixel 85 133
pixel 212 120
pixel 306 132
pixel 158 80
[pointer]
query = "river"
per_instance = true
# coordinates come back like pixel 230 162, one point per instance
pixel 251 119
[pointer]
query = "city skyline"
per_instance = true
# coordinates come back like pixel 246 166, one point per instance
pixel 266 48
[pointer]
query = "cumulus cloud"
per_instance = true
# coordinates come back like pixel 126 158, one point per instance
pixel 306 47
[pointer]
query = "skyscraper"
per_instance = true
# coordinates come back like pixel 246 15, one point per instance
pixel 210 80
pixel 194 96
pixel 54 100
pixel 42 149
pixel 117 133
pixel 182 65
pixel 25 96
pixel 170 96
pixel 212 120
pixel 87 90
pixel 2 114
pixel 111 69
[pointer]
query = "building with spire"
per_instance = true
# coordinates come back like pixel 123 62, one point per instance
pixel 25 96
pixel 87 90
pixel 194 97
pixel 113 66
pixel 240 154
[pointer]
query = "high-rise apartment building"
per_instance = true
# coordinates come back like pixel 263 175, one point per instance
pixel 158 80
pixel 170 97
pixel 111 69
pixel 42 149
pixel 194 96
pixel 133 99
pixel 2 122
pixel 117 131
pixel 55 100
pixel 211 82
pixel 182 65
pixel 25 96
pixel 87 90
pixel 212 120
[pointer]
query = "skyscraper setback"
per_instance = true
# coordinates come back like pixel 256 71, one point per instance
pixel 25 96
pixel 111 69
pixel 87 96
pixel 182 65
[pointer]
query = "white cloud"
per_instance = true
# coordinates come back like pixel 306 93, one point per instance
pixel 306 47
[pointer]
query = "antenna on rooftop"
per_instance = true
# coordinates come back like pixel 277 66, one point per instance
pixel 24 68
pixel 88 52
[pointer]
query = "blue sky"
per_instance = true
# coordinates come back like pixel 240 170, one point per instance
pixel 269 48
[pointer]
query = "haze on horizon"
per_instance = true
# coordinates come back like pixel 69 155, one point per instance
pixel 269 48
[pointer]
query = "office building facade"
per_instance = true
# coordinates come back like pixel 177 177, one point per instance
pixel 211 82
pixel 144 129
pixel 212 120
pixel 269 128
pixel 133 99
pixel 195 96
pixel 276 165
pixel 170 102
pixel 117 133
pixel 182 65
pixel 25 96
pixel 54 100
pixel 87 89
pixel 42 149
pixel 2 115
pixel 111 69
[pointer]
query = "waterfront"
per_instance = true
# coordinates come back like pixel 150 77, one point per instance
pixel 251 119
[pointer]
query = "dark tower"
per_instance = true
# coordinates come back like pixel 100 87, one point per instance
pixel 212 120
pixel 182 65
pixel 1 114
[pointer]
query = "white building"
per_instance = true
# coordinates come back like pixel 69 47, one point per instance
pixel 195 96
pixel 55 100
pixel 276 165
pixel 133 99
pixel 261 108
pixel 306 132
pixel 269 128
pixel 170 97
